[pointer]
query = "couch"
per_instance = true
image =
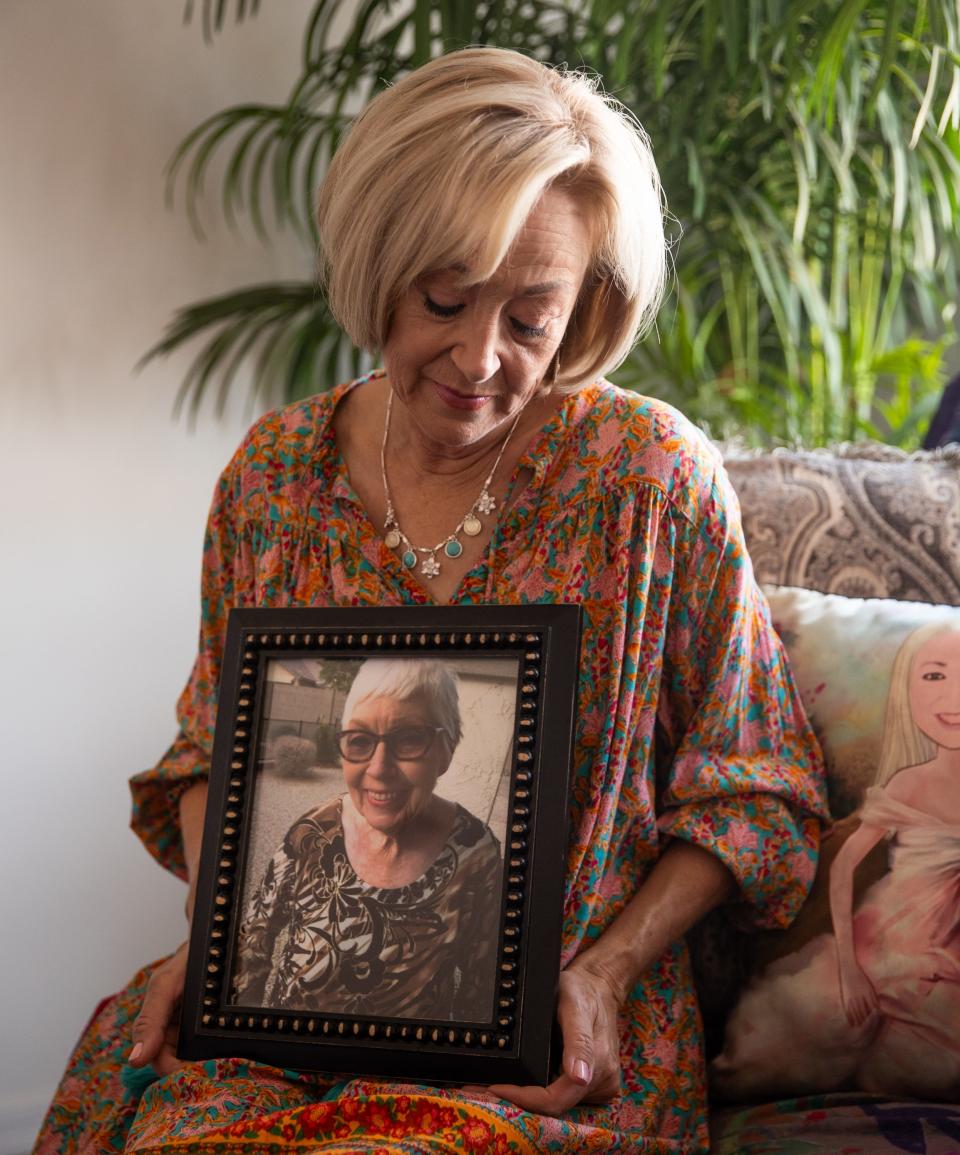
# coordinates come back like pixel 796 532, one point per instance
pixel 864 521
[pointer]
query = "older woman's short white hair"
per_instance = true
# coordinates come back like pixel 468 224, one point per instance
pixel 405 678
pixel 444 168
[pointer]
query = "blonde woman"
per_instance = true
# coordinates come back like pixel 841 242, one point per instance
pixel 495 228
pixel 876 1004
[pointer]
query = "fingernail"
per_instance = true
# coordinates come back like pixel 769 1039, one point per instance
pixel 581 1072
pixel 136 1052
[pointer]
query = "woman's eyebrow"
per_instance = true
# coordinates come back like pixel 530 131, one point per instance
pixel 542 289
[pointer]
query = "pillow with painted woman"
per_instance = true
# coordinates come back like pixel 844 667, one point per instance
pixel 873 1003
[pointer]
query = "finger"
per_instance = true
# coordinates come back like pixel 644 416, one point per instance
pixel 578 1021
pixel 166 1062
pixel 862 1009
pixel 163 993
pixel 557 1097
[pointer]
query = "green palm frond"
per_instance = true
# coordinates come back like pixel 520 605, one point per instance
pixel 214 13
pixel 285 330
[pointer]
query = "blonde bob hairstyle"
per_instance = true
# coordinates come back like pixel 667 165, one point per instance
pixel 904 743
pixel 443 169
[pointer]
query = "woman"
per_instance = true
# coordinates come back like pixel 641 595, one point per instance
pixel 877 1002
pixel 384 901
pixel 495 227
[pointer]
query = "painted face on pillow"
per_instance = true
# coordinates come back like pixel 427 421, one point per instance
pixel 935 689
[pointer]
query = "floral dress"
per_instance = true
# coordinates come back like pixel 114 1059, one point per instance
pixel 423 950
pixel 688 726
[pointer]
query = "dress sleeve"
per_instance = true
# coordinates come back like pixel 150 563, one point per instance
pixel 156 792
pixel 742 771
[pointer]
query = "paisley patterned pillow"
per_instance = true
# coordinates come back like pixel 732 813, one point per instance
pixel 863 992
pixel 862 520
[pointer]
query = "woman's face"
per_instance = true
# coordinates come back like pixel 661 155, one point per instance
pixel 465 359
pixel 388 789
pixel 935 689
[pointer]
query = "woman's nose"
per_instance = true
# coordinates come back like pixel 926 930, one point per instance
pixel 476 353
pixel 381 765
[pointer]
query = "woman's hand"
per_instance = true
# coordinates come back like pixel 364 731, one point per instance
pixel 587 1013
pixel 155 1028
pixel 858 995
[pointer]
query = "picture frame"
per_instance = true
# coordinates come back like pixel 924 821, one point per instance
pixel 337 733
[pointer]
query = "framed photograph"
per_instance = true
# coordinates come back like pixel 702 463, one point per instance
pixel 381 879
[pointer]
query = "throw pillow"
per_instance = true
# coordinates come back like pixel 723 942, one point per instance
pixel 863 520
pixel 863 992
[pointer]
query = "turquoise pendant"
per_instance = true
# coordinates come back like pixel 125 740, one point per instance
pixel 409 558
pixel 453 548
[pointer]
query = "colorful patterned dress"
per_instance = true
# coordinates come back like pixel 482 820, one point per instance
pixel 688 727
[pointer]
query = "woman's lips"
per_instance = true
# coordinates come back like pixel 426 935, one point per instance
pixel 388 799
pixel 461 400
pixel 949 720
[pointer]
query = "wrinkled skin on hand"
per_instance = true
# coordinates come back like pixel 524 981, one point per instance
pixel 587 1013
pixel 155 1028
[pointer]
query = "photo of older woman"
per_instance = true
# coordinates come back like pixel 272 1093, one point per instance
pixel 383 900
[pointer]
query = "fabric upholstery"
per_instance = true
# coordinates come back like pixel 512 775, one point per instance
pixel 862 520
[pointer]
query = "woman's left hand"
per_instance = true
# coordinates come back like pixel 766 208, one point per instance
pixel 683 885
pixel 587 1012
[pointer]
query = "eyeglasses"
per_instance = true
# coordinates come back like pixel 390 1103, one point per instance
pixel 406 743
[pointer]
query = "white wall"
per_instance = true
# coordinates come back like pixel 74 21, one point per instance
pixel 102 495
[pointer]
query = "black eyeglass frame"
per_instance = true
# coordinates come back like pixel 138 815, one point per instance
pixel 431 731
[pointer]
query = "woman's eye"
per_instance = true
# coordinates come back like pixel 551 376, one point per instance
pixel 933 676
pixel 439 310
pixel 528 330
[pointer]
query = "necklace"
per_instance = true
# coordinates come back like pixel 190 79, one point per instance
pixel 450 546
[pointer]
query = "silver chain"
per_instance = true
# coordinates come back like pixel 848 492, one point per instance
pixel 470 523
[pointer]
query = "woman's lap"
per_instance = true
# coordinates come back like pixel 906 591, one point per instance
pixel 231 1105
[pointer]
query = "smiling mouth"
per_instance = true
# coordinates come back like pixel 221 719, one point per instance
pixel 949 719
pixel 386 797
pixel 462 400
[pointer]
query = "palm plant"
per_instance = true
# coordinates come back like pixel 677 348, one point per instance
pixel 810 150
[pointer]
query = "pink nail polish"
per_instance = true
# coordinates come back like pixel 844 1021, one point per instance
pixel 136 1052
pixel 581 1072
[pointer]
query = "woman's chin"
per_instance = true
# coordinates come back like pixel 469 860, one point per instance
pixel 385 812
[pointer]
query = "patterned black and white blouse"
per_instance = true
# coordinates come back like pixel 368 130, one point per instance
pixel 316 938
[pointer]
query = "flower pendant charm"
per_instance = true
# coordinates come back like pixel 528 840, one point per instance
pixel 486 503
pixel 430 567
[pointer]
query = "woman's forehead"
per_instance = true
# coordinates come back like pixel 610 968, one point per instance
pixel 942 647
pixel 526 282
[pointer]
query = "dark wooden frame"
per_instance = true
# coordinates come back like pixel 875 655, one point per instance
pixel 515 1045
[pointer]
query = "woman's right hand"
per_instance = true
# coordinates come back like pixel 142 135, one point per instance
pixel 155 1028
pixel 858 995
